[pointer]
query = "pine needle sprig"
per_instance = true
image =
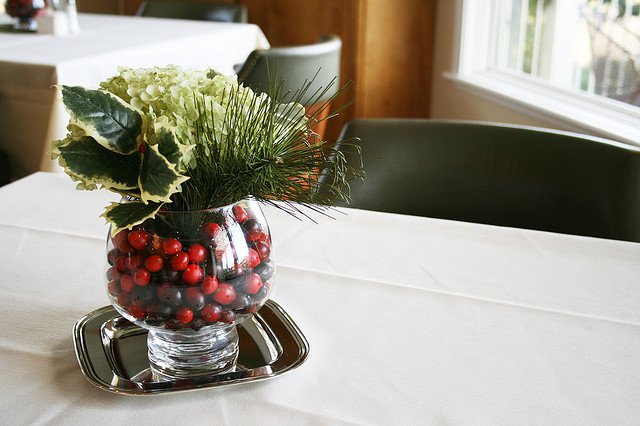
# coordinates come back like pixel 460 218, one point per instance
pixel 265 148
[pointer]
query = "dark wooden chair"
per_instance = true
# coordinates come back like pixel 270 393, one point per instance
pixel 318 64
pixel 178 9
pixel 498 174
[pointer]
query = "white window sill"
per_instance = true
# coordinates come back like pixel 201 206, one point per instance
pixel 575 112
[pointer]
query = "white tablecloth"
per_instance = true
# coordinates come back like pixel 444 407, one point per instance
pixel 31 114
pixel 410 321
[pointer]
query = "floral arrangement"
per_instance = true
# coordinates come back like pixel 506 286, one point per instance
pixel 173 139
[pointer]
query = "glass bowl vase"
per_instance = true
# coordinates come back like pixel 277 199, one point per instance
pixel 189 277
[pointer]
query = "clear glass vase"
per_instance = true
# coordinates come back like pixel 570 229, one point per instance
pixel 189 278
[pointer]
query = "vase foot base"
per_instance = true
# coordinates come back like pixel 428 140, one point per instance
pixel 112 353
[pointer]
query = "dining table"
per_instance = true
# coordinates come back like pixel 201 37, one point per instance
pixel 409 320
pixel 33 66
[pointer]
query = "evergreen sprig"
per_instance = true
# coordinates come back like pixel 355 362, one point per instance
pixel 265 148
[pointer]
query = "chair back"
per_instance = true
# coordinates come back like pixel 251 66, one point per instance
pixel 498 174
pixel 295 66
pixel 178 9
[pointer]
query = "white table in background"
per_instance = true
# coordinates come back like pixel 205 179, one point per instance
pixel 31 114
pixel 410 320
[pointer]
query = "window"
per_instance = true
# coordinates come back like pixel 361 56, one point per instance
pixel 574 61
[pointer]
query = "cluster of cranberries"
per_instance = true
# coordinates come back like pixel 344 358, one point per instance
pixel 191 283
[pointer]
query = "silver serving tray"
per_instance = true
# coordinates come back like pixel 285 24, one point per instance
pixel 112 352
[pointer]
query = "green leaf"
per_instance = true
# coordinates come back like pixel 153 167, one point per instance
pixel 127 215
pixel 88 161
pixel 158 177
pixel 168 144
pixel 105 117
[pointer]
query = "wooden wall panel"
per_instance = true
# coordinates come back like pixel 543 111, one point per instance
pixel 387 46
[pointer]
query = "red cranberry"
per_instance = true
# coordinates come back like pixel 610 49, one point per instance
pixel 153 263
pixel 240 213
pixel 225 294
pixel 120 237
pixel 112 256
pixel 254 258
pixel 184 315
pixel 194 298
pixel 169 294
pixel 141 277
pixel 252 284
pixel 192 274
pixel 211 312
pixel 123 299
pixel 209 284
pixel 121 264
pixel 125 247
pixel 179 261
pixel 210 230
pixel 113 287
pixel 197 253
pixel 263 249
pixel 134 262
pixel 171 246
pixel 136 311
pixel 126 283
pixel 138 239
pixel 113 274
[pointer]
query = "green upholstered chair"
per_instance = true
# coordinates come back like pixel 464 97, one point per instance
pixel 499 174
pixel 318 64
pixel 179 9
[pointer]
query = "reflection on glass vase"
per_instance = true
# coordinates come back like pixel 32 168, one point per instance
pixel 188 278
pixel 25 11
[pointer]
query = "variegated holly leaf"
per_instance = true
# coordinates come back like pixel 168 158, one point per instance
pixel 126 215
pixel 168 144
pixel 86 160
pixel 158 177
pixel 105 117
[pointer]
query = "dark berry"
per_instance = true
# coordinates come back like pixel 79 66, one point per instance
pixel 142 296
pixel 194 297
pixel 125 247
pixel 112 256
pixel 169 294
pixel 121 264
pixel 228 316
pixel 170 275
pixel 113 274
pixel 173 324
pixel 266 270
pixel 197 324
pixel 252 226
pixel 136 311
pixel 241 301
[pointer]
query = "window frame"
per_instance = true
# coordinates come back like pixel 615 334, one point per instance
pixel 535 97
